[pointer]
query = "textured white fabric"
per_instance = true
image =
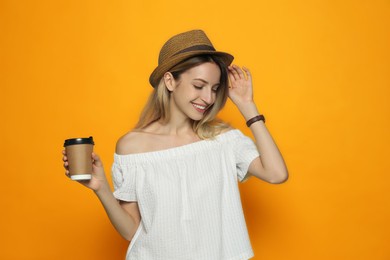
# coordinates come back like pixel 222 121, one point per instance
pixel 188 198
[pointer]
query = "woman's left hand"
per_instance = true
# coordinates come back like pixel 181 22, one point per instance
pixel 240 89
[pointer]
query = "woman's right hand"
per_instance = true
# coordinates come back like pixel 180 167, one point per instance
pixel 98 179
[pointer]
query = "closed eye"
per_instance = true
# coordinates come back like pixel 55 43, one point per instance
pixel 200 87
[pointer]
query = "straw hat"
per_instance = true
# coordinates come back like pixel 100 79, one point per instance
pixel 183 46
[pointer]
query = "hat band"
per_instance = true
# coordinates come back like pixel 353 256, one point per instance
pixel 196 48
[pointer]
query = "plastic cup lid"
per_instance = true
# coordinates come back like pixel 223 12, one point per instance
pixel 73 141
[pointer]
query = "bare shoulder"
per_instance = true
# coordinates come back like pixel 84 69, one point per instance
pixel 131 142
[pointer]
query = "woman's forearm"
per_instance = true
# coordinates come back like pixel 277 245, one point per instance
pixel 271 158
pixel 123 222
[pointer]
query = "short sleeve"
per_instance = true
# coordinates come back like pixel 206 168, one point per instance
pixel 245 151
pixel 123 177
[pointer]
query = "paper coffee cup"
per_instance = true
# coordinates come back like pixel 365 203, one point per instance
pixel 79 153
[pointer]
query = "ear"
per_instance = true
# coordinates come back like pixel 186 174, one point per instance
pixel 169 81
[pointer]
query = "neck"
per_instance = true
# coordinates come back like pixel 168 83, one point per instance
pixel 178 128
pixel 178 124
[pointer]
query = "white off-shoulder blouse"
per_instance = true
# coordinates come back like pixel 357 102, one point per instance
pixel 188 198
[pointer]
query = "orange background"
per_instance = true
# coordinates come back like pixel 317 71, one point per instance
pixel 321 78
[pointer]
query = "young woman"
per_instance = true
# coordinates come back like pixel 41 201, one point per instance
pixel 175 174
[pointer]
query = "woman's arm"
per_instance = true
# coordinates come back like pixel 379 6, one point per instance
pixel 270 166
pixel 124 216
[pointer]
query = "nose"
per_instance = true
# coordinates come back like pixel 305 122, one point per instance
pixel 208 96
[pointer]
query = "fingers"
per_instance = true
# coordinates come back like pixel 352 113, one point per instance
pixel 64 158
pixel 236 73
pixel 247 72
pixel 231 77
pixel 239 72
pixel 233 74
pixel 66 164
pixel 96 160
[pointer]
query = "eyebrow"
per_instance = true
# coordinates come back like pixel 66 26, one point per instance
pixel 206 82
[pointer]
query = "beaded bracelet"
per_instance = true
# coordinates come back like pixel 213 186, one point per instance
pixel 255 119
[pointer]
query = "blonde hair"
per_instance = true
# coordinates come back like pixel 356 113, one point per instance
pixel 157 106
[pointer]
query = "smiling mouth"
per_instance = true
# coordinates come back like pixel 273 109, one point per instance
pixel 199 108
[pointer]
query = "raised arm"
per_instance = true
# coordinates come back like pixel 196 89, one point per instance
pixel 270 166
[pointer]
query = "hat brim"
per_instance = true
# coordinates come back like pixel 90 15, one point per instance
pixel 158 72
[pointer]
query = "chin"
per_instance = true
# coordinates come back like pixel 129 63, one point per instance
pixel 196 117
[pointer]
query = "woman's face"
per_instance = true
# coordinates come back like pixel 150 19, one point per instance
pixel 195 90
